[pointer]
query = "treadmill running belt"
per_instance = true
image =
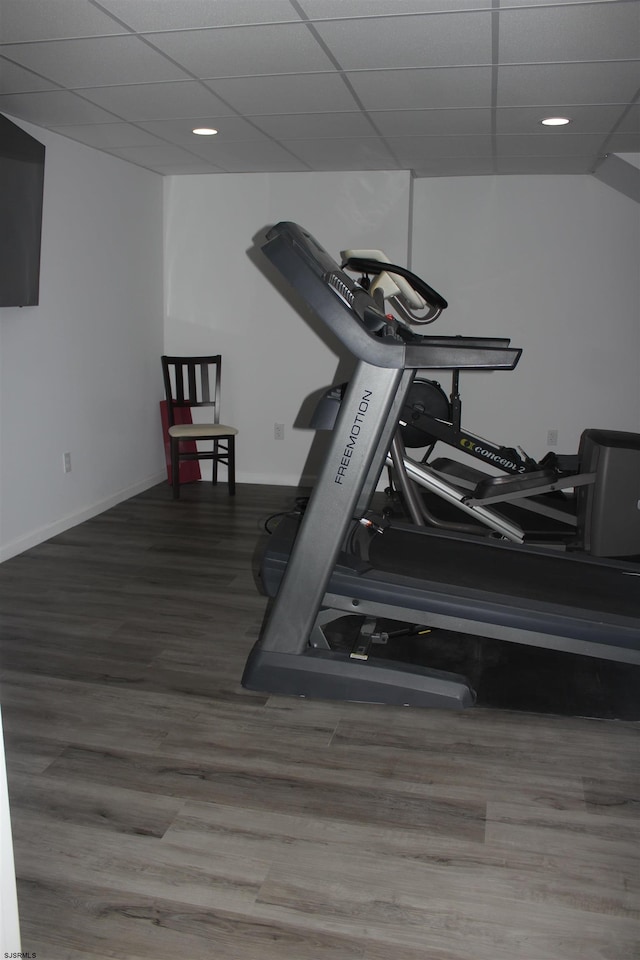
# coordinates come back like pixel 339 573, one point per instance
pixel 498 569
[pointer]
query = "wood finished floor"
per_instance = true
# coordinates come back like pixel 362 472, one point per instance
pixel 161 811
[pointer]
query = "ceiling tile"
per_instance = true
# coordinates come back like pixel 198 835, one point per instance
pixel 151 156
pixel 412 150
pixel 405 42
pixel 94 61
pixel 310 126
pixel 607 31
pixel 401 123
pixel 543 165
pixel 363 154
pixel 51 107
pixel 143 16
pixel 623 143
pixel 455 167
pixel 305 93
pixel 249 157
pixel 24 20
pixel 630 120
pixel 158 101
pixel 104 136
pixel 568 83
pixel 419 89
pixel 584 119
pixel 320 9
pixel 198 168
pixel 566 145
pixel 181 131
pixel 15 79
pixel 245 51
pixel 510 4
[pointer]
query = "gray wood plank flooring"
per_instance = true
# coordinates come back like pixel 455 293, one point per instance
pixel 160 811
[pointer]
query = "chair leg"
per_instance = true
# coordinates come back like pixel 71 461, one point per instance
pixel 231 465
pixel 175 468
pixel 214 464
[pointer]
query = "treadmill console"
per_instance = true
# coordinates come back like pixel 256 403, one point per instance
pixel 359 322
pixel 308 263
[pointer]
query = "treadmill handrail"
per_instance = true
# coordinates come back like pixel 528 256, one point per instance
pixel 371 265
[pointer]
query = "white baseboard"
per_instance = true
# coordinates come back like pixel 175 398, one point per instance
pixel 35 537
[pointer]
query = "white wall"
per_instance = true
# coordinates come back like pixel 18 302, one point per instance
pixel 551 262
pixel 218 301
pixel 81 371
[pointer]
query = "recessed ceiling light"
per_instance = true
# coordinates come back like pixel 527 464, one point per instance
pixel 204 131
pixel 555 121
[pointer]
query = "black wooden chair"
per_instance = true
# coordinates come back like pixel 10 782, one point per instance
pixel 195 382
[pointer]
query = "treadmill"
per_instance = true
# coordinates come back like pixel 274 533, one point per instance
pixel 339 560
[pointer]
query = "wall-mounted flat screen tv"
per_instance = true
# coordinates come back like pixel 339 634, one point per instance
pixel 21 190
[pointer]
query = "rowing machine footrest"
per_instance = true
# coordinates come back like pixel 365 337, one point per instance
pixel 520 484
pixel 457 470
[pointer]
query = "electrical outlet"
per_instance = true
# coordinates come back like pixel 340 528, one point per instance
pixel 66 462
pixel 278 431
pixel 552 438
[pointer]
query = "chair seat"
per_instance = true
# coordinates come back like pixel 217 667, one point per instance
pixel 194 431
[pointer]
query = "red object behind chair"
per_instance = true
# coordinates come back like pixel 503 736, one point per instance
pixel 189 469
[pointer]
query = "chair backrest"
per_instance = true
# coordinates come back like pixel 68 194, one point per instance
pixel 192 382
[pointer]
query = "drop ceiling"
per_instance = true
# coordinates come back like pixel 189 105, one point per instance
pixel 438 87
